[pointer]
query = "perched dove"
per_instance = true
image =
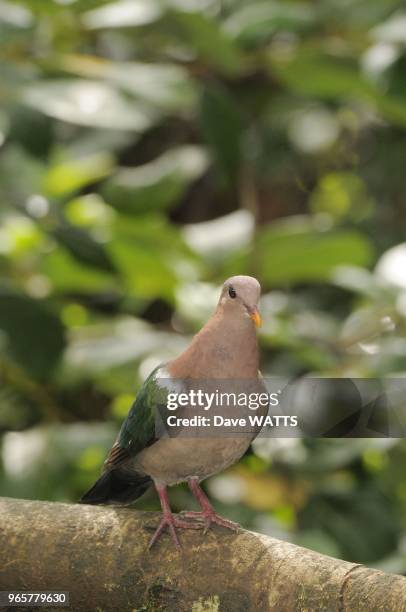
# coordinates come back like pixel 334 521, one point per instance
pixel 226 348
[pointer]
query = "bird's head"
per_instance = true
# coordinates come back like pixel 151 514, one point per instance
pixel 241 294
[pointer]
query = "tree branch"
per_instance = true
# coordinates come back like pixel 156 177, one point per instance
pixel 100 555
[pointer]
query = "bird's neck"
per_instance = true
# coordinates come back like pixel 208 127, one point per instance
pixel 226 347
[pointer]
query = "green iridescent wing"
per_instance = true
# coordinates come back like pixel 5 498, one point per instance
pixel 139 429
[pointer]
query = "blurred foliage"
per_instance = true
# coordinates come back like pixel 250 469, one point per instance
pixel 149 149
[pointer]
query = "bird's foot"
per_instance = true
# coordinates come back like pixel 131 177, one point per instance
pixel 172 523
pixel 209 516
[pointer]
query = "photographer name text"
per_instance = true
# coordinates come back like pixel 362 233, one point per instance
pixel 217 420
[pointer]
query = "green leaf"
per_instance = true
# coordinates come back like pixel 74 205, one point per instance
pixel 20 237
pixel 364 525
pixel 70 175
pixel 150 255
pixel 254 23
pixel 314 74
pixel 319 75
pixel 393 30
pixel 166 86
pixel 31 130
pixel 206 37
pixel 88 103
pixel 214 240
pixel 294 251
pixel 38 6
pixel 156 185
pixel 222 128
pixel 15 162
pixel 34 335
pixel 83 247
pixel 66 273
pixel 341 194
pixel 89 211
pixel 122 14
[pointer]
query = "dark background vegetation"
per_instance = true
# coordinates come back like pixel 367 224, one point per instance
pixel 150 149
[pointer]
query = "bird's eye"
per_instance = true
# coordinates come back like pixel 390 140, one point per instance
pixel 232 293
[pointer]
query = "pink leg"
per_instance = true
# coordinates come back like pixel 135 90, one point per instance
pixel 208 514
pixel 168 520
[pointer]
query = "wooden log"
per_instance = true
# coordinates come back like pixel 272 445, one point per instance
pixel 100 555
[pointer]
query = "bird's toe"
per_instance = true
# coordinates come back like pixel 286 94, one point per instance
pixel 219 520
pixel 207 518
pixel 165 522
pixel 172 523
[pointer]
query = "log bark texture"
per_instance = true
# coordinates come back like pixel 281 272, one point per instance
pixel 100 555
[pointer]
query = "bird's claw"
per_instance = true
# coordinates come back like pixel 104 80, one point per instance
pixel 172 523
pixel 208 517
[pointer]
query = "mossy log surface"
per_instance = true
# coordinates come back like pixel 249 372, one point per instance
pixel 100 555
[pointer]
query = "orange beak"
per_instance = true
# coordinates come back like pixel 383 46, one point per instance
pixel 256 317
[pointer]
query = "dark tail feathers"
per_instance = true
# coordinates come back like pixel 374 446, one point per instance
pixel 117 486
